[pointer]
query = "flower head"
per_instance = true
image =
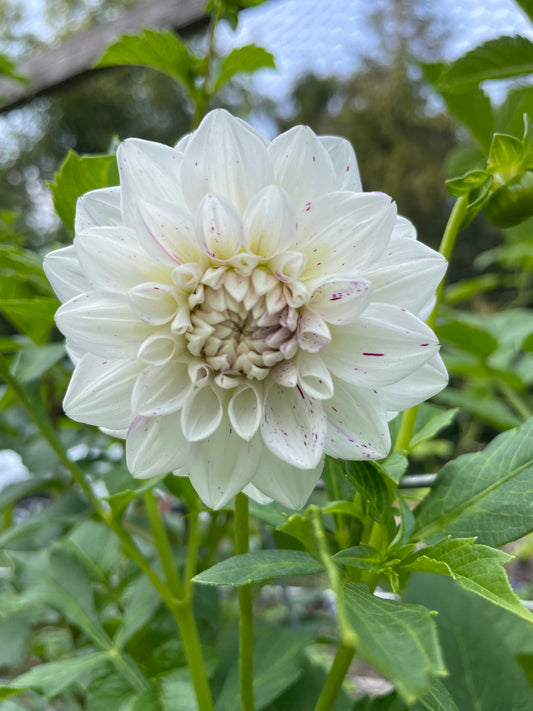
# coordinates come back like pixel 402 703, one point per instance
pixel 237 309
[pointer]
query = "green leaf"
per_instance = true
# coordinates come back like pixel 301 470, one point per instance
pixel 363 557
pixel 7 69
pixel 54 677
pixel 476 568
pixel 471 107
pixel 479 642
pixel 278 662
pixel 399 640
pixel 301 528
pixel 466 183
pixel 496 59
pixel 163 51
pixel 60 581
pixel 304 693
pixel 527 343
pixel 140 608
pixel 258 566
pixel 63 510
pixel 475 494
pixel 482 405
pixel 505 152
pixel 395 465
pixel 97 547
pixel 174 692
pixel 433 426
pixel 468 338
pixel 34 317
pixel 375 488
pixel 31 363
pixel 243 59
pixel 438 698
pixel 79 175
pixel 527 7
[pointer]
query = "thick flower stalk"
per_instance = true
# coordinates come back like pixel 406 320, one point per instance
pixel 239 308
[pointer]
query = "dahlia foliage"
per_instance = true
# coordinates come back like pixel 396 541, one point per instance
pixel 239 308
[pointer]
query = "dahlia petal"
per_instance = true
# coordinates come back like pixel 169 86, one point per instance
pixel 99 392
pixel 201 414
pixel 357 424
pixel 270 222
pixel 167 232
pixel 148 171
pixel 221 465
pixel 344 161
pixel 219 228
pixel 112 259
pixel 313 332
pixel 160 390
pixel 285 373
pixel 102 323
pixel 155 445
pixel 403 229
pixel 420 385
pixel 302 165
pixel 153 302
pixel 313 376
pixel 227 158
pixel 98 208
pixel 157 349
pixel 293 426
pixel 341 232
pixel 384 346
pixel 288 266
pixel 340 301
pixel 253 493
pixel 406 275
pixel 64 273
pixel 288 485
pixel 245 411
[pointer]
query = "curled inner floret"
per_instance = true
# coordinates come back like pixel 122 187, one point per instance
pixel 243 324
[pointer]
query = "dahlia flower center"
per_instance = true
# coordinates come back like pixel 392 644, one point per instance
pixel 243 324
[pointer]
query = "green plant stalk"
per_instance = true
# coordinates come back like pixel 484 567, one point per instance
pixel 181 612
pixel 346 648
pixel 449 239
pixel 336 676
pixel 515 401
pixel 192 551
pixel 163 545
pixel 246 620
pixel 203 96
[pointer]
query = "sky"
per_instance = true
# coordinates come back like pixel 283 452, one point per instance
pixel 330 36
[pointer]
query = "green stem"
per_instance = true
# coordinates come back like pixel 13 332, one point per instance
pixel 346 648
pixel 204 94
pixel 192 550
pixel 336 676
pixel 193 651
pixel 163 545
pixel 449 238
pixel 246 620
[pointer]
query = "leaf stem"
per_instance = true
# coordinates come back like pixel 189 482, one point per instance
pixel 246 622
pixel 163 545
pixel 449 239
pixel 336 676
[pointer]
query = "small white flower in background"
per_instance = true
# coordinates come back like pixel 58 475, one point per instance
pixel 237 309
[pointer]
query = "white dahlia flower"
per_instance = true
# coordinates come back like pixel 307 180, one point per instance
pixel 239 308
